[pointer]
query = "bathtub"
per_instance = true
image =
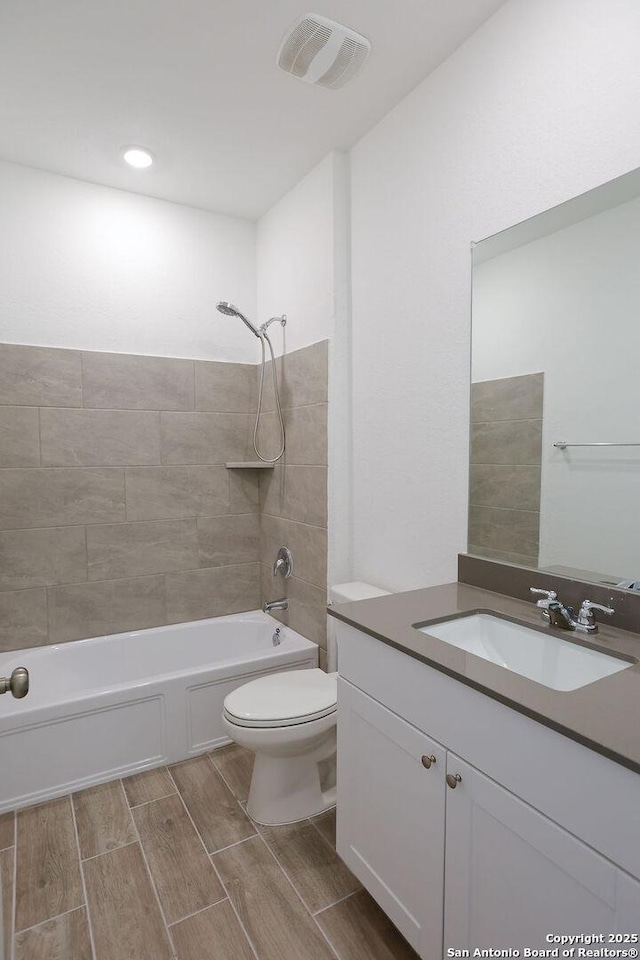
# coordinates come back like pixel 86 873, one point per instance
pixel 111 706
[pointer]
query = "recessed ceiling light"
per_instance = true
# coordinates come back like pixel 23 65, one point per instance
pixel 138 157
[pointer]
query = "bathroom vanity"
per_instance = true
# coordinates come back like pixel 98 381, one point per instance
pixel 481 808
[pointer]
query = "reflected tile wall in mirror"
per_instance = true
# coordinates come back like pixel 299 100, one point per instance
pixel 555 310
pixel 504 483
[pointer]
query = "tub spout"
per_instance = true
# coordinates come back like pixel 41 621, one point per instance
pixel 270 605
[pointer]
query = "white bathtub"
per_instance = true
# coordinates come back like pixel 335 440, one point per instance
pixel 111 706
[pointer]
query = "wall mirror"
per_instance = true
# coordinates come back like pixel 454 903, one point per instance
pixel 555 392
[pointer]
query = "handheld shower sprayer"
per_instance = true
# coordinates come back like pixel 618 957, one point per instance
pixel 230 310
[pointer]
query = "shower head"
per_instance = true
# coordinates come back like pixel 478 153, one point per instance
pixel 230 310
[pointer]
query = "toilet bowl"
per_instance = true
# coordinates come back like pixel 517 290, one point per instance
pixel 289 720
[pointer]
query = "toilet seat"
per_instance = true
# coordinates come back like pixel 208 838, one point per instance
pixel 283 699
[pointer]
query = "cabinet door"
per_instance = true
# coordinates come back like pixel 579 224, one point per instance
pixel 627 905
pixel 512 876
pixel 391 815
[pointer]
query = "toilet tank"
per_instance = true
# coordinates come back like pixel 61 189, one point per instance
pixel 346 593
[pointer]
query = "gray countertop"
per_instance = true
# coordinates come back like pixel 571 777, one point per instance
pixel 604 716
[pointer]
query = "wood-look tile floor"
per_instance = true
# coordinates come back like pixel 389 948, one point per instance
pixel 166 865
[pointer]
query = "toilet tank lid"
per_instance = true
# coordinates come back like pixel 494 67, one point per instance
pixel 356 590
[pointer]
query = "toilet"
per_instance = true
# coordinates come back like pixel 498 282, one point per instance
pixel 288 720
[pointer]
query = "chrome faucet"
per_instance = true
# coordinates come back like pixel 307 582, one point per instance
pixel 555 613
pixel 561 616
pixel 270 605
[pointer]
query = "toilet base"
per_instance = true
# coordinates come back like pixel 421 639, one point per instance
pixel 288 788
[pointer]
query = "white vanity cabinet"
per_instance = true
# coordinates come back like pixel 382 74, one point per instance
pixel 539 835
pixel 512 875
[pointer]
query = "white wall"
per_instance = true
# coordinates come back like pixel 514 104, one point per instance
pixel 303 271
pixel 567 304
pixel 85 266
pixel 295 242
pixel 539 105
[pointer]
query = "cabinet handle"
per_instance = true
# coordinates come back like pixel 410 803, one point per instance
pixel 453 779
pixel 427 761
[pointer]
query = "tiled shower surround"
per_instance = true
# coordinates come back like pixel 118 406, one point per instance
pixel 506 454
pixel 293 496
pixel 116 509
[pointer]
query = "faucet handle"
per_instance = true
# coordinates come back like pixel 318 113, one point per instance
pixel 586 617
pixel 588 606
pixel 549 597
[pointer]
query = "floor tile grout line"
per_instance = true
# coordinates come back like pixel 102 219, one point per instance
pixel 241 803
pixel 144 803
pixel 15 886
pixel 243 806
pixel 228 785
pixel 82 877
pixel 152 881
pixel 58 916
pixel 286 875
pixel 252 946
pixel 103 853
pixel 295 890
pixel 210 856
pixel 207 854
pixel 209 906
pixel 325 838
pixel 230 846
pixel 311 915
pixel 326 937
pixel 336 902
pixel 188 812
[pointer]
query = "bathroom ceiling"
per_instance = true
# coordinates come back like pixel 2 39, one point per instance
pixel 196 82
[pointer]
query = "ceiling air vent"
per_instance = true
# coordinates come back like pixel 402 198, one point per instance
pixel 322 51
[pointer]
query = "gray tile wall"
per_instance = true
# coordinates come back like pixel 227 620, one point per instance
pixel 293 496
pixel 505 465
pixel 116 509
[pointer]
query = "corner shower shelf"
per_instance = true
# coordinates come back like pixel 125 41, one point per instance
pixel 249 465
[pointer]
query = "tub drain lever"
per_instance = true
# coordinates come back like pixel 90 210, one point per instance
pixel 17 683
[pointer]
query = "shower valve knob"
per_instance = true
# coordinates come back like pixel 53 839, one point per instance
pixel 284 563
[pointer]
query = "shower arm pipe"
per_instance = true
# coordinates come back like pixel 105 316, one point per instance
pixel 282 320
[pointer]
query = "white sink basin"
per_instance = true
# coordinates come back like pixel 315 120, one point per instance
pixel 546 658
